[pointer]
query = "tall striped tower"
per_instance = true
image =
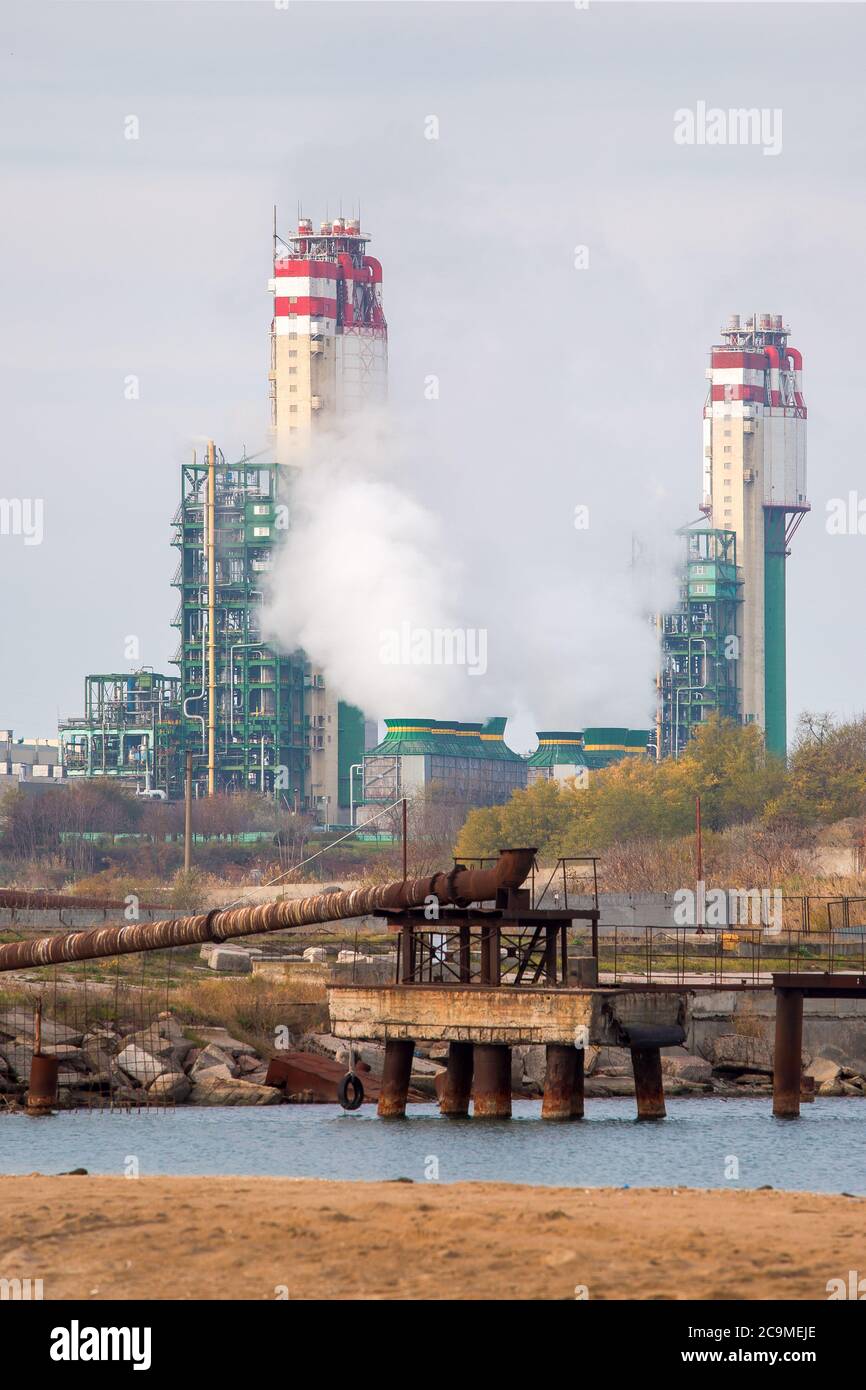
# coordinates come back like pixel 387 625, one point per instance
pixel 329 361
pixel 755 486
pixel 329 340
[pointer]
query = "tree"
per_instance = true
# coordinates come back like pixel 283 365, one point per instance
pixel 826 778
pixel 728 767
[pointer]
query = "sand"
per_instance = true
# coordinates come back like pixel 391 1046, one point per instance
pixel 260 1238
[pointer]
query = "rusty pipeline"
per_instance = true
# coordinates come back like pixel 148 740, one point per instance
pixel 460 887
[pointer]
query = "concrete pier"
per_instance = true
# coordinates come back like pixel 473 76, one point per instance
pixel 563 1083
pixel 647 1067
pixel 396 1075
pixel 482 1023
pixel 491 1088
pixel 457 1087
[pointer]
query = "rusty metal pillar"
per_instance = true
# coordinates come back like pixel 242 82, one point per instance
pixel 457 1084
pixel 491 961
pixel 550 933
pixel 42 1091
pixel 491 1089
pixel 647 1067
pixel 464 954
pixel 407 953
pixel 396 1075
pixel 787 1060
pixel 563 1083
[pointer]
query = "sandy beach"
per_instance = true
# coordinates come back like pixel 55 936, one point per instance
pixel 263 1238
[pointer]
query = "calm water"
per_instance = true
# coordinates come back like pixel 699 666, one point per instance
pixel 824 1151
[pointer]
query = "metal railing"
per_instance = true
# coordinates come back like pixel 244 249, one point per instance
pixel 727 957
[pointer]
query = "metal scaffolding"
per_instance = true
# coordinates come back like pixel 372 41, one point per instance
pixel 700 640
pixel 242 701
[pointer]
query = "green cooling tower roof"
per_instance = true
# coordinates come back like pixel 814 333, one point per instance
pixel 447 738
pixel 557 748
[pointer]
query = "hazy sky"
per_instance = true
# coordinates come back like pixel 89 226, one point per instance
pixel 559 386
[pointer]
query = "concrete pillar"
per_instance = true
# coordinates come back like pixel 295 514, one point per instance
pixel 787 1060
pixel 491 1090
pixel 396 1075
pixel 647 1067
pixel 563 1083
pixel 456 1087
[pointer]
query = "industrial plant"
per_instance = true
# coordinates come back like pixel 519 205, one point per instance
pixel 723 649
pixel 253 717
pixel 258 718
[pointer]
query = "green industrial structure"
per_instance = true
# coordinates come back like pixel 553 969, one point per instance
pixel 253 717
pixel 130 730
pixel 700 640
pixel 225 554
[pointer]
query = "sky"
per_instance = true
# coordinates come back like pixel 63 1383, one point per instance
pixel 136 316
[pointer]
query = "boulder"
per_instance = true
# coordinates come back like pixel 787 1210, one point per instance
pixel 823 1069
pixel 222 1038
pixel 231 960
pixel 140 1065
pixel 259 1076
pixel 171 1086
pixel 534 1066
pixel 736 1052
pixel 326 1043
pixel 20 1023
pixel 248 1063
pixel 599 1085
pixel 425 1082
pixel 314 953
pixel 687 1068
pixel 99 1046
pixel 17 1058
pixel 164 1039
pixel 612 1057
pixel 830 1088
pixel 219 1091
pixel 212 1057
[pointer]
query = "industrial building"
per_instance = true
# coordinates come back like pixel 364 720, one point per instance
pixel 130 730
pixel 472 765
pixel 252 716
pixel 467 764
pixel 29 761
pixel 724 648
pixel 558 757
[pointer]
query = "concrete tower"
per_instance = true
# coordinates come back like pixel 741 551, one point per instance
pixel 329 360
pixel 755 487
pixel 329 340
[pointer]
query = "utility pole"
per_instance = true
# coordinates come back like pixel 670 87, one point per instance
pixel 405 844
pixel 187 815
pixel 701 895
pixel 210 547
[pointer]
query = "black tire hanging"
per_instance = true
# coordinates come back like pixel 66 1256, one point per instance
pixel 350 1092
